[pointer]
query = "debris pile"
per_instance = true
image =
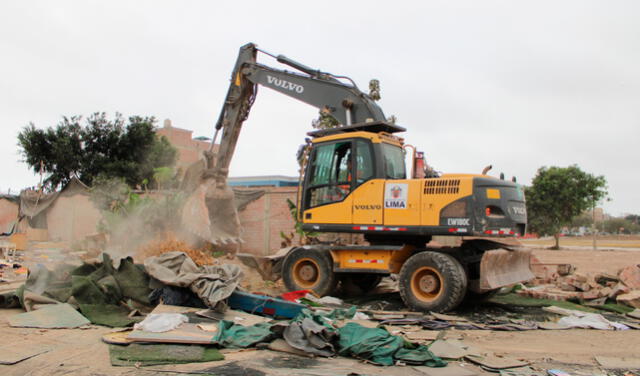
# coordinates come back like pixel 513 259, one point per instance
pixel 176 311
pixel 562 282
pixel 172 300
pixel 170 243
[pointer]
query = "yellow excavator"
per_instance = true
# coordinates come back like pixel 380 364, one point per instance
pixel 354 180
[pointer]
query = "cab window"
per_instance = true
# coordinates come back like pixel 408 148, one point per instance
pixel 329 174
pixel 364 162
pixel 393 159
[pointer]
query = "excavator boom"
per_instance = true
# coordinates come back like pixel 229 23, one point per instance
pixel 210 210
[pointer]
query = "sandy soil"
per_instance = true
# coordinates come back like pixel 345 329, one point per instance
pixel 575 346
pixel 589 261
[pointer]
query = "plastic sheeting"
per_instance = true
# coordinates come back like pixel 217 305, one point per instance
pixel 161 322
pixel 211 283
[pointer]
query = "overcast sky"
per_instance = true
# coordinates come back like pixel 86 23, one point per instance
pixel 515 84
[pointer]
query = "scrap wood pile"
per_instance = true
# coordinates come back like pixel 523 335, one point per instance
pixel 563 282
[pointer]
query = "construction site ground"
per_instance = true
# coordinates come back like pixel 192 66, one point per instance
pixel 81 351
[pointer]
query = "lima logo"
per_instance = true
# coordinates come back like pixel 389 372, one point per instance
pixel 396 191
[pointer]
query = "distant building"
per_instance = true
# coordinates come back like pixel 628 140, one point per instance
pixel 264 181
pixel 598 215
pixel 190 149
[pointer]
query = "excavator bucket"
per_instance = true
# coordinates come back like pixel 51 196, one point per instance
pixel 210 213
pixel 503 267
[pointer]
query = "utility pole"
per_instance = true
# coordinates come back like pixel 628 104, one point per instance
pixel 593 225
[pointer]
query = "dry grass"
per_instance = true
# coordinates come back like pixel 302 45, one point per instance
pixel 170 243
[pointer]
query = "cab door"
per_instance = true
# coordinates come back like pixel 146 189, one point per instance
pixel 328 184
pixel 368 192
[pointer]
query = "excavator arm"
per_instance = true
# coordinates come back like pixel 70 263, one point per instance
pixel 210 210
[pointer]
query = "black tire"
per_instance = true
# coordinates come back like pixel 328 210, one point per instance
pixel 309 269
pixel 473 297
pixel 432 281
pixel 359 283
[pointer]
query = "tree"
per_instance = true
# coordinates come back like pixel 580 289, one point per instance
pixel 620 226
pixel 634 218
pixel 559 194
pixel 583 220
pixel 118 148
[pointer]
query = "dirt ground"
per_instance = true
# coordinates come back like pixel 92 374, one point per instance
pixel 588 261
pixel 81 352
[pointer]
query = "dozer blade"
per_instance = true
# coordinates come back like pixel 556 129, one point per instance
pixel 210 213
pixel 503 267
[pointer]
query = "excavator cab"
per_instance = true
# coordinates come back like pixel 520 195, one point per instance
pixel 355 181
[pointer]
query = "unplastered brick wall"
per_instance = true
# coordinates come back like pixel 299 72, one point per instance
pixel 263 220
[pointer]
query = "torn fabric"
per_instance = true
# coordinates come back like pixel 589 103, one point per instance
pixel 211 283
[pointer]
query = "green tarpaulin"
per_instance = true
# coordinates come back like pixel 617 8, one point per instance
pixel 379 346
pixel 149 355
pixel 101 291
pixel 233 335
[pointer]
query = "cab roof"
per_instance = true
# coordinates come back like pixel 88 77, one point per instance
pixel 373 127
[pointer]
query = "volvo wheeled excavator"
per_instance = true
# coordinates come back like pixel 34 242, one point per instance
pixel 354 180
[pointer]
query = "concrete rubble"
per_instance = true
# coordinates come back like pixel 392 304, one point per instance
pixel 564 282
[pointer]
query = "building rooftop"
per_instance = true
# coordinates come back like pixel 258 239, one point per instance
pixel 263 181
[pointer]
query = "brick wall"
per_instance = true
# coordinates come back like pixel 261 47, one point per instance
pixel 264 219
pixel 189 150
pixel 8 213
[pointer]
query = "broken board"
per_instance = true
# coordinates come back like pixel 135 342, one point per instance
pixel 452 369
pixel 237 317
pixel 422 335
pixel 167 308
pixel 52 316
pixel 12 354
pixel 187 333
pixel 451 349
pixel 119 337
pixel 618 363
pixel 495 362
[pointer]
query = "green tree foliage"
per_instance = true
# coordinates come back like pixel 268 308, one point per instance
pixel 633 218
pixel 621 226
pixel 583 220
pixel 98 146
pixel 559 194
pixel 164 177
pixel 305 237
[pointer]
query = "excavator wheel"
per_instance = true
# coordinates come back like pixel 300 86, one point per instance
pixel 309 269
pixel 432 281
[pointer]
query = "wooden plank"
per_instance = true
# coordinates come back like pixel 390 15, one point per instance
pixel 187 333
pixel 237 317
pixel 167 308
